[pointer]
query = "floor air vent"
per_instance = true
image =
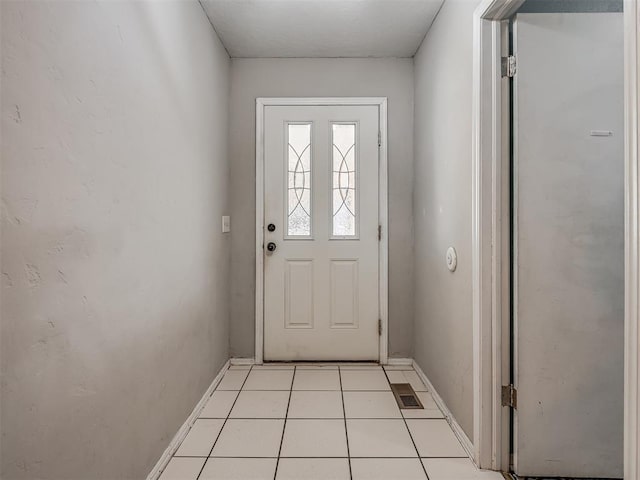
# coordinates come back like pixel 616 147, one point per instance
pixel 405 396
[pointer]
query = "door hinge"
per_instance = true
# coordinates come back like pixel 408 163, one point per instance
pixel 379 138
pixel 379 327
pixel 379 232
pixel 509 396
pixel 509 66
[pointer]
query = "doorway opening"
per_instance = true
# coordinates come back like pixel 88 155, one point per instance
pixel 513 206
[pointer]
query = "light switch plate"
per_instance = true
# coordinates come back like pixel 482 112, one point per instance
pixel 226 224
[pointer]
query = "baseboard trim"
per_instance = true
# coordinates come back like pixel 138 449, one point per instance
pixel 242 361
pixel 399 361
pixel 184 429
pixel 457 429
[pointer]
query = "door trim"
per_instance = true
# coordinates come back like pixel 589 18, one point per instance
pixel 632 245
pixel 490 234
pixel 490 447
pixel 383 244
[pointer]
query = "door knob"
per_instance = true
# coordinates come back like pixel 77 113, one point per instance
pixel 271 246
pixel 271 227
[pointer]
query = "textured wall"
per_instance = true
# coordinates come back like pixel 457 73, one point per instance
pixel 114 270
pixel 303 77
pixel 443 330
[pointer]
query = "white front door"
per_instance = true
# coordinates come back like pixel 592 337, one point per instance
pixel 321 167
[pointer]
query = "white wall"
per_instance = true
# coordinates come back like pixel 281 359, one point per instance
pixel 251 78
pixel 442 205
pixel 114 270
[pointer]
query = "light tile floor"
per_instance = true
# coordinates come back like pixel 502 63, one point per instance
pixel 319 422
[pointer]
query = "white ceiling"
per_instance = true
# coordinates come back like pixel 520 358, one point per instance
pixel 321 28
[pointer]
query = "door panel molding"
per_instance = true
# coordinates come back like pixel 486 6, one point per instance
pixel 298 274
pixel 344 286
pixel 383 244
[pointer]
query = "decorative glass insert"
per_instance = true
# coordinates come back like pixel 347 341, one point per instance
pixel 344 179
pixel 299 179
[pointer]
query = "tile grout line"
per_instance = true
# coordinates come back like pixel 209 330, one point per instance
pixel 329 456
pixel 225 420
pixel 317 390
pixel 408 430
pixel 284 425
pixel 318 418
pixel 344 413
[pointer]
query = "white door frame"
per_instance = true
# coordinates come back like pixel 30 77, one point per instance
pixel 383 244
pixel 490 433
pixel 632 245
